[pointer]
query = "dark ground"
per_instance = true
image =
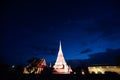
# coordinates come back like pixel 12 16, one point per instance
pixel 59 77
pixel 8 73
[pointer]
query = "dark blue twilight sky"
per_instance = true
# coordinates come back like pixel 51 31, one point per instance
pixel 88 29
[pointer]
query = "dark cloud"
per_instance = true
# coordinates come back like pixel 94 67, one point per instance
pixel 108 57
pixel 86 51
pixel 106 28
pixel 44 50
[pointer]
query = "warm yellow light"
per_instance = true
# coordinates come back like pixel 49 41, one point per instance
pixel 103 69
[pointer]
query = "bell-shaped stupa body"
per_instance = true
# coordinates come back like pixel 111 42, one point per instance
pixel 61 66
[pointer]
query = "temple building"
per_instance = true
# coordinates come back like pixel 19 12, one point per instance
pixel 60 66
pixel 103 69
pixel 35 67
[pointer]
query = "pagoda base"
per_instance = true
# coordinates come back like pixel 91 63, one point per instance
pixel 60 71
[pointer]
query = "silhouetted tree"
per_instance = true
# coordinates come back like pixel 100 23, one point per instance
pixel 118 60
pixel 32 59
pixel 47 71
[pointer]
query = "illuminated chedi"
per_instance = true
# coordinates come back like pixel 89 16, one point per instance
pixel 35 67
pixel 61 66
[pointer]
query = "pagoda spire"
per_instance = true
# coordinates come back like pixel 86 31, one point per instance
pixel 60 49
pixel 60 64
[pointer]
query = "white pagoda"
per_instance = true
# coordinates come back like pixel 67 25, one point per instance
pixel 61 66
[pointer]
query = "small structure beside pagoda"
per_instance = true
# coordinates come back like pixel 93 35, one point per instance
pixel 35 67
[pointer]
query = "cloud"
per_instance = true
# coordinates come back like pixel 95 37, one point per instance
pixel 105 28
pixel 86 51
pixel 107 57
pixel 44 50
